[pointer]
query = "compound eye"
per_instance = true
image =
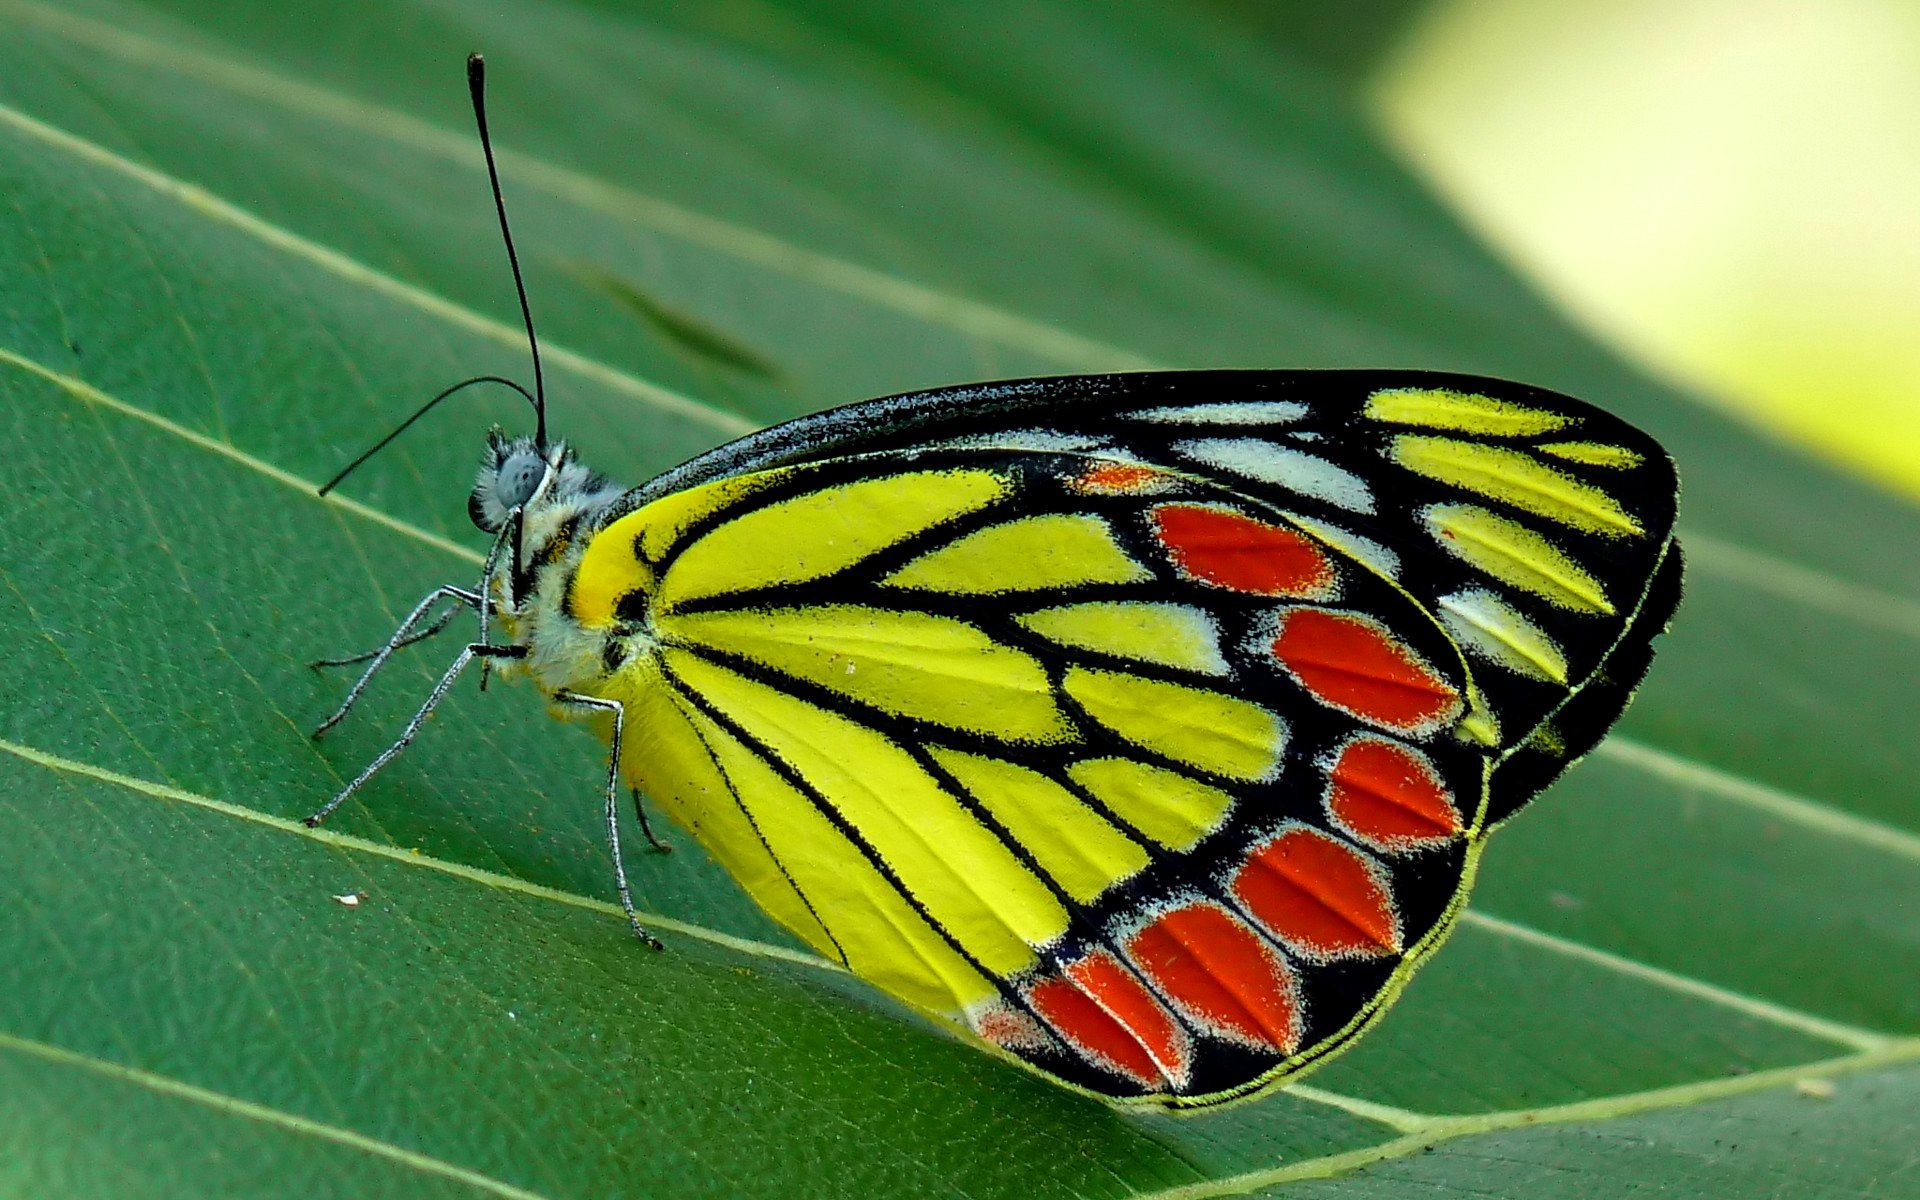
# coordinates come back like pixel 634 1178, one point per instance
pixel 519 475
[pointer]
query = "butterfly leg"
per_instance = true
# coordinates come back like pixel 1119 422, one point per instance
pixel 613 806
pixel 487 569
pixel 473 651
pixel 397 642
pixel 646 827
pixel 405 635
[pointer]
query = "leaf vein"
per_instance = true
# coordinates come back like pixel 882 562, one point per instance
pixel 933 305
pixel 346 841
pixel 1753 1006
pixel 1599 1108
pixel 85 392
pixel 249 1110
pixel 1721 785
pixel 213 207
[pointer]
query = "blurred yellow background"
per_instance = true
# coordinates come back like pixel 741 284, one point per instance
pixel 1727 189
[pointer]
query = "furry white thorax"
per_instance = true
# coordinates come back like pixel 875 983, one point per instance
pixel 563 504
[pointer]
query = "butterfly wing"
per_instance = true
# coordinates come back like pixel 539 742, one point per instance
pixel 1536 528
pixel 1128 773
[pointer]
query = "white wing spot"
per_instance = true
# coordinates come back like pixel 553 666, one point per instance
pixel 1295 470
pixel 1351 544
pixel 1037 440
pixel 1494 630
pixel 1257 412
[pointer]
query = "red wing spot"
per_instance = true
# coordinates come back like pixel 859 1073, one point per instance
pixel 1232 550
pixel 1319 895
pixel 1355 665
pixel 1390 795
pixel 1221 974
pixel 1120 992
pixel 1114 1021
pixel 1119 479
pixel 1097 1035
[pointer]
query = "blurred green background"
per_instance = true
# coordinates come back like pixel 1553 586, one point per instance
pixel 1724 189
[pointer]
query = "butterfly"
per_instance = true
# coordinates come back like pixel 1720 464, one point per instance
pixel 1145 728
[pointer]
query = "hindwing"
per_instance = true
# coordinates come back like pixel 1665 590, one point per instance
pixel 1129 774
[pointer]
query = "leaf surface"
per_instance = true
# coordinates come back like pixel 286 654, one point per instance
pixel 241 241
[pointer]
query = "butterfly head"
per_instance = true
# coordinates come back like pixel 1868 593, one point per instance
pixel 520 473
pixel 512 471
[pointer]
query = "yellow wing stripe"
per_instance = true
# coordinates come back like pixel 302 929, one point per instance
pixel 1187 725
pixel 957 869
pixel 610 568
pixel 1054 550
pixel 1593 454
pixel 1078 847
pixel 665 756
pixel 1517 478
pixel 1516 555
pixel 1170 635
pixel 1466 412
pixel 912 664
pixel 881 935
pixel 1166 806
pixel 823 531
pixel 669 517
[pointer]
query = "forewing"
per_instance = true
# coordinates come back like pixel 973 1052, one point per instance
pixel 1128 773
pixel 1536 529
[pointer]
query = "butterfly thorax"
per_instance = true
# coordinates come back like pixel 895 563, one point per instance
pixel 561 505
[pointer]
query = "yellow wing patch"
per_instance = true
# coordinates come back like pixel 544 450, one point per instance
pixel 913 664
pixel 666 755
pixel 1464 412
pixel 819 532
pixel 801 538
pixel 617 560
pixel 859 915
pixel 1479 724
pixel 1050 551
pixel 1513 554
pixel 1169 635
pixel 1187 725
pixel 1593 454
pixel 1168 807
pixel 1517 478
pixel 955 867
pixel 1078 847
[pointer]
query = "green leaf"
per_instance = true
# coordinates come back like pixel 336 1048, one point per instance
pixel 241 240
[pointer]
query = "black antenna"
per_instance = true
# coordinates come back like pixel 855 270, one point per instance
pixel 422 411
pixel 477 84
